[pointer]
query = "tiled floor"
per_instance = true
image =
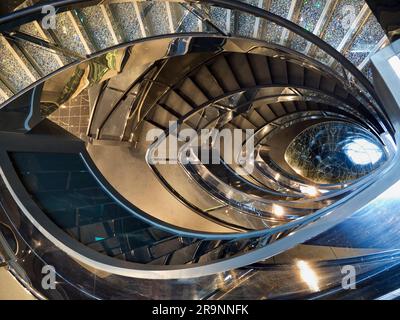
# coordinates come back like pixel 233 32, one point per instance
pixel 73 116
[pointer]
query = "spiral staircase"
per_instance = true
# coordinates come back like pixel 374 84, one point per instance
pixel 89 98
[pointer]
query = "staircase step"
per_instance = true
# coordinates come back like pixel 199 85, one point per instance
pixel 279 71
pixel 301 105
pixel 162 117
pixel 224 74
pixel 177 103
pixel 256 118
pixel 14 67
pixel 312 78
pixel 207 83
pixel 47 60
pixel 289 106
pixel 126 21
pixel 114 127
pixel 184 255
pixel 265 110
pixel 278 109
pixel 166 247
pixel 295 74
pixel 190 89
pixel 108 99
pixel 71 34
pixel 243 123
pixel 260 67
pixel 327 84
pixel 97 25
pixel 240 66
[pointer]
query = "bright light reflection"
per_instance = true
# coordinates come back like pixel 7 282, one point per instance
pixel 395 64
pixel 297 170
pixel 308 275
pixel 392 193
pixel 309 190
pixel 362 152
pixel 278 210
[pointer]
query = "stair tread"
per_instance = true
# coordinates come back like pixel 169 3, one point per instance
pixel 11 69
pixel 96 26
pixel 240 66
pixel 208 83
pixel 126 20
pixel 224 74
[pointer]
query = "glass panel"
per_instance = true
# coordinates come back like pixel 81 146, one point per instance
pixel 154 16
pixel 126 22
pixel 309 14
pixel 335 152
pixel 183 19
pixel 13 69
pixel 66 33
pixel 342 18
pixel 219 17
pixel 97 28
pixel 365 41
pixel 271 32
pixel 243 24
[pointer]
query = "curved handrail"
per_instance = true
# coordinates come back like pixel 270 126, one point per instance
pixel 29 14
pixel 286 204
pixel 258 12
pixel 135 270
pixel 154 221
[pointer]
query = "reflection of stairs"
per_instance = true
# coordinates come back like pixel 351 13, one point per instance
pixel 88 30
pixel 90 216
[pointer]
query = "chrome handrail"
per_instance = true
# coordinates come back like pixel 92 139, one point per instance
pixel 123 269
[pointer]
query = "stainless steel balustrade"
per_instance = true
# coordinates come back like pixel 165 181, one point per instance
pixel 225 262
pixel 217 106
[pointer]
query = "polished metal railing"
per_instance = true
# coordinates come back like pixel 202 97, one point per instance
pixel 256 244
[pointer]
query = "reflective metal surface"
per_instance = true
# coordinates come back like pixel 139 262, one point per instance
pixel 323 196
pixel 335 152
